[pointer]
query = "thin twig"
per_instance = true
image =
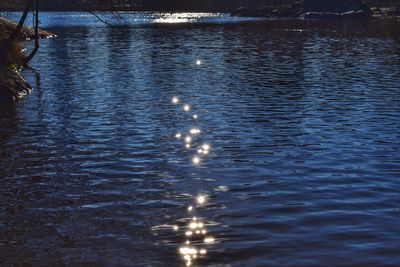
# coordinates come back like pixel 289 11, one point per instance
pixel 74 2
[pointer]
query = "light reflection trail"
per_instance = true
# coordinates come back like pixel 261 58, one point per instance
pixel 195 232
pixel 196 239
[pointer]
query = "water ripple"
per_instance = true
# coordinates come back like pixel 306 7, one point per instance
pixel 303 121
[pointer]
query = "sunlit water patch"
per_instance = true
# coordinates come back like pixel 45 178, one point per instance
pixel 60 19
pixel 197 236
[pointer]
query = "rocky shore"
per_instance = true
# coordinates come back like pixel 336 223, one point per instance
pixel 27 33
pixel 386 13
pixel 12 84
pixel 313 9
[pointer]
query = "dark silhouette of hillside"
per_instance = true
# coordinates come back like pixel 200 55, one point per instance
pixel 155 5
pixel 162 5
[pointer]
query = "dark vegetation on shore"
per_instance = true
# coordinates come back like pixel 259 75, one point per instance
pixel 12 84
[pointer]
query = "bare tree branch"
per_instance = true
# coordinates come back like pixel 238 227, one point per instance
pixel 74 2
pixel 36 25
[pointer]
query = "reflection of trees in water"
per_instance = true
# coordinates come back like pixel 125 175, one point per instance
pixel 265 67
pixel 8 127
pixel 265 55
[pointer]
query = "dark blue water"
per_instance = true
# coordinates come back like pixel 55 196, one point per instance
pixel 303 119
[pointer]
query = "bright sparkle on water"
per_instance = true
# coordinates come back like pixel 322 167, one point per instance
pixel 198 62
pixel 190 252
pixel 175 100
pixel 206 147
pixel 189 233
pixel 188 139
pixel 195 131
pixel 201 199
pixel 195 227
pixel 196 160
pixel 181 17
pixel 203 151
pixel 209 239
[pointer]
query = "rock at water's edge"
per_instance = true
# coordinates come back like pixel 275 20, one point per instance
pixel 12 85
pixel 27 33
pixel 313 9
pixel 346 15
pixel 327 9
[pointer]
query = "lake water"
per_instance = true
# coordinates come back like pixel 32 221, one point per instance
pixel 303 119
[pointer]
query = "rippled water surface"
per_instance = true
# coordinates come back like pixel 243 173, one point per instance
pixel 303 119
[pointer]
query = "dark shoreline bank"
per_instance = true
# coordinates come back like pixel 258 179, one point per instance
pixel 12 84
pixel 316 9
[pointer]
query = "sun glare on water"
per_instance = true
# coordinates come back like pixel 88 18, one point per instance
pixel 175 100
pixel 195 131
pixel 197 237
pixel 201 199
pixel 172 18
pixel 196 160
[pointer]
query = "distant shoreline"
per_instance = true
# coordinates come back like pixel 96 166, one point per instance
pixel 384 14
